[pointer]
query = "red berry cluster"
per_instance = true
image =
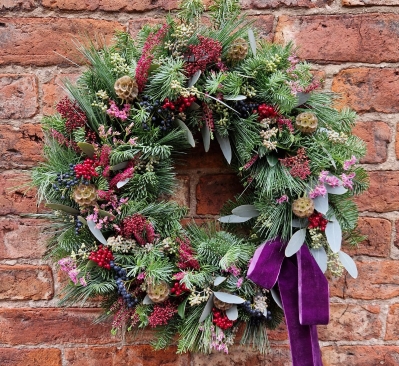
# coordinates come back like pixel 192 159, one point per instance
pixel 266 111
pixel 180 104
pixel 178 289
pixel 221 320
pixel 317 220
pixel 86 169
pixel 102 257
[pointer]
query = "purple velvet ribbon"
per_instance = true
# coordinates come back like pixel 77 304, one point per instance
pixel 304 295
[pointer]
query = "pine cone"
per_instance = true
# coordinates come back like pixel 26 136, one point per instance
pixel 159 292
pixel 306 122
pixel 303 207
pixel 238 50
pixel 85 195
pixel 126 88
pixel 221 305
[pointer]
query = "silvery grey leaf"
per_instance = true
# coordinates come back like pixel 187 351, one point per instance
pixel 228 298
pixel 321 204
pixel 334 235
pixel 206 137
pixel 233 219
pixel 119 166
pixel 320 257
pixel 121 183
pixel 276 297
pixel 232 313
pixel 349 264
pixel 237 97
pixel 194 78
pixel 96 232
pixel 246 211
pixel 87 148
pixel 59 207
pixel 219 280
pixel 295 242
pixel 189 135
pixel 225 146
pixel 336 190
pixel 207 309
pixel 252 41
pixel 147 300
pixel 301 223
pixel 302 98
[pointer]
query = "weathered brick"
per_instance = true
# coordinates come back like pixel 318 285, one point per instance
pixel 342 38
pixel 383 193
pixel 376 135
pixel 397 142
pixel 358 355
pixel 351 323
pixel 272 4
pixel 17 5
pixel 368 2
pixel 53 92
pixel 182 191
pixel 25 282
pixel 138 355
pixel 41 41
pixel 22 238
pixel 264 25
pixel 49 326
pixel 15 195
pixel 30 357
pixel 392 332
pixel 378 241
pixel 214 190
pixel 376 281
pixel 20 147
pixel 18 95
pixel 368 89
pixel 111 5
pixel 243 356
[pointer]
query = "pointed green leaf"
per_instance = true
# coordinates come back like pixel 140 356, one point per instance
pixel 272 159
pixel 67 209
pixel 87 148
pixel 119 166
pixel 182 308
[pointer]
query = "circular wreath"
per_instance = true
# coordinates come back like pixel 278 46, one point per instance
pixel 109 171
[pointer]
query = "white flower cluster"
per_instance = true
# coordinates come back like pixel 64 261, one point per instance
pixel 121 245
pixel 260 302
pixel 197 298
pixel 267 135
pixel 119 64
pixel 317 238
pixel 336 137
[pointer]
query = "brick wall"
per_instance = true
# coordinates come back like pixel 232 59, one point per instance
pixel 353 43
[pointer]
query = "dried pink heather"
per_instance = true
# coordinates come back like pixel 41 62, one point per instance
pixel 137 227
pixel 186 255
pixel 299 164
pixel 161 314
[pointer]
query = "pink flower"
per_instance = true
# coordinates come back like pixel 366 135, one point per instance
pixel 331 180
pixel 234 270
pixel 350 162
pixel 282 199
pixel 347 180
pixel 239 282
pixel 319 190
pixel 114 111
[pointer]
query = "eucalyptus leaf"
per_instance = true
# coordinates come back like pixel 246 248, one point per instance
pixel 194 78
pixel 206 136
pixel 207 309
pixel 189 135
pixel 321 204
pixel 219 101
pixel 334 235
pixel 237 97
pixel 194 106
pixel 228 298
pixel 272 159
pixel 233 219
pixel 121 183
pixel 225 146
pixel 219 280
pixel 276 297
pixel 182 308
pixel 59 207
pixel 147 300
pixel 295 242
pixel 320 257
pixel 252 41
pixel 302 98
pixel 349 264
pixel 96 232
pixel 246 211
pixel 120 166
pixel 82 220
pixel 232 313
pixel 301 223
pixel 87 148
pixel 336 190
pixel 103 213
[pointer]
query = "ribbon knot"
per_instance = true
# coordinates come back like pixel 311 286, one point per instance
pixel 304 295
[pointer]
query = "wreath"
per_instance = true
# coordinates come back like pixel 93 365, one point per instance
pixel 109 174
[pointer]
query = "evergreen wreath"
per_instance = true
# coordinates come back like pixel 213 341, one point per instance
pixel 109 168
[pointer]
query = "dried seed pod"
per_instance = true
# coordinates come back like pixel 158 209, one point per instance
pixel 159 292
pixel 303 207
pixel 238 50
pixel 126 88
pixel 306 122
pixel 85 195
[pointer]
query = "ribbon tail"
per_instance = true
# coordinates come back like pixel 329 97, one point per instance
pixel 305 350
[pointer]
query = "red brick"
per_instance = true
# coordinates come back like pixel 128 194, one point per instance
pixel 342 38
pixel 392 332
pixel 378 242
pixel 368 2
pixel 245 356
pixel 49 326
pixel 53 92
pixel 358 355
pixel 25 282
pixel 272 4
pixel 15 195
pixel 376 281
pixel 214 190
pixel 30 357
pixel 376 135
pixel 17 5
pixel 383 193
pixel 264 25
pixel 110 5
pixel 351 323
pixel 137 355
pixel 20 147
pixel 136 24
pixel 39 41
pixel 182 191
pixel 18 96
pixel 22 238
pixel 397 142
pixel 368 89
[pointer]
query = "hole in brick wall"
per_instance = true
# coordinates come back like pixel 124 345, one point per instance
pixel 2 24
